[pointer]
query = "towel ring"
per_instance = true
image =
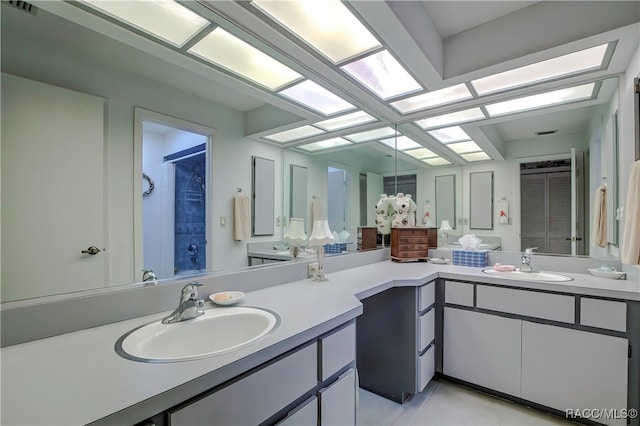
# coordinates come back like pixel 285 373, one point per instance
pixel 151 184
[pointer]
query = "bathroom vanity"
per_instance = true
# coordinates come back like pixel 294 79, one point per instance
pixel 551 345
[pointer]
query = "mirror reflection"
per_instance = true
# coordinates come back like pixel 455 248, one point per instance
pixel 192 146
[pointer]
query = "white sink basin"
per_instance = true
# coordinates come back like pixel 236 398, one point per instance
pixel 218 331
pixel 528 276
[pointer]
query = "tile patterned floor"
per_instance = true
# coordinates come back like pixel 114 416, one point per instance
pixel 447 403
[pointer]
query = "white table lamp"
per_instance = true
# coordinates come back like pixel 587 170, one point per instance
pixel 445 227
pixel 295 236
pixel 320 235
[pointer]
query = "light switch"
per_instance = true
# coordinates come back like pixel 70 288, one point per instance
pixel 223 221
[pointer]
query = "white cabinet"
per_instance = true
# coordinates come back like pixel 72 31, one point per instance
pixel 482 349
pixel 338 401
pixel 572 369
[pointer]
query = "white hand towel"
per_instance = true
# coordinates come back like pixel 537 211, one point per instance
pixel 631 240
pixel 241 217
pixel 599 231
pixel 317 212
pixel 427 218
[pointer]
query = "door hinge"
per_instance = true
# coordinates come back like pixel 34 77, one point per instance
pixel 637 87
pixel 629 353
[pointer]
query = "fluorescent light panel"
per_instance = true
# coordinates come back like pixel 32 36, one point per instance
pixel 344 121
pixel 325 144
pixel 382 74
pixel 404 143
pixel 421 153
pixel 438 161
pixel 431 99
pixel 167 20
pixel 228 51
pixel 450 134
pixel 317 97
pixel 475 156
pixel 294 134
pixel 370 135
pixel 328 26
pixel 562 66
pixel 464 147
pixel 464 116
pixel 542 100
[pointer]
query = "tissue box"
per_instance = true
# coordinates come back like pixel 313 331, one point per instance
pixel 335 248
pixel 476 258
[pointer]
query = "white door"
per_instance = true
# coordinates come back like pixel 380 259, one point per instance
pixel 52 189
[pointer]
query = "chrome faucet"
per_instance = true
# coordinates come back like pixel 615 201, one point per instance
pixel 526 260
pixel 190 306
pixel 148 275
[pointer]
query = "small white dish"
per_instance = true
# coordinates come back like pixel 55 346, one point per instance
pixel 439 260
pixel 226 298
pixel 614 275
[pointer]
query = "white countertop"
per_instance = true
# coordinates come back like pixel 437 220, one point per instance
pixel 77 378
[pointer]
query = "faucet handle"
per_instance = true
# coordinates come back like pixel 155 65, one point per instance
pixel 190 291
pixel 530 250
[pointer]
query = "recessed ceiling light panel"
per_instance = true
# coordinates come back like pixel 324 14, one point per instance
pixel 450 134
pixel 465 116
pixel 403 143
pixel 294 134
pixel 344 121
pixel 562 66
pixel 382 74
pixel 438 161
pixel 371 135
pixel 432 99
pixel 326 144
pixel 228 51
pixel 542 100
pixel 476 156
pixel 421 153
pixel 328 26
pixel 464 147
pixel 167 20
pixel 317 97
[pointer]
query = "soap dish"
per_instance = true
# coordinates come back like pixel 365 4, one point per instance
pixel 614 275
pixel 439 260
pixel 226 298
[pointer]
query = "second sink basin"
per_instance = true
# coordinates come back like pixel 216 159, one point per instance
pixel 218 331
pixel 529 276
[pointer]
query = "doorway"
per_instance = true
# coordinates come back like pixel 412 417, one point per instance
pixel 547 207
pixel 175 200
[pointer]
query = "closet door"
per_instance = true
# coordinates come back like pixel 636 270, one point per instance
pixel 52 189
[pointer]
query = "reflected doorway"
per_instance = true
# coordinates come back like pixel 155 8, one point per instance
pixel 174 205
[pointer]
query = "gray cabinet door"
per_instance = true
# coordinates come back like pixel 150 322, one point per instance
pixel 338 401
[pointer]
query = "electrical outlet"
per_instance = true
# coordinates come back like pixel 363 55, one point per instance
pixel 312 268
pixel 278 221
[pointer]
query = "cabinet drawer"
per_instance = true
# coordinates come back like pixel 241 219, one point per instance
pixel 603 314
pixel 304 414
pixel 412 254
pixel 458 293
pixel 426 368
pixel 337 350
pixel 427 296
pixel 413 247
pixel 427 329
pixel 413 240
pixel 338 401
pixel 412 232
pixel 243 402
pixel 555 307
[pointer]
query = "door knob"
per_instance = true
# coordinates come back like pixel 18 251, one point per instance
pixel 91 250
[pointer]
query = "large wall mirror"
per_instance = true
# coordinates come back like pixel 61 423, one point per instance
pixel 263 196
pixel 446 200
pixel 65 53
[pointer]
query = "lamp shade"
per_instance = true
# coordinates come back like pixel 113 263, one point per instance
pixel 445 226
pixel 320 234
pixel 295 235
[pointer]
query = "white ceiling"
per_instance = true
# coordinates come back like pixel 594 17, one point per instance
pixel 441 42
